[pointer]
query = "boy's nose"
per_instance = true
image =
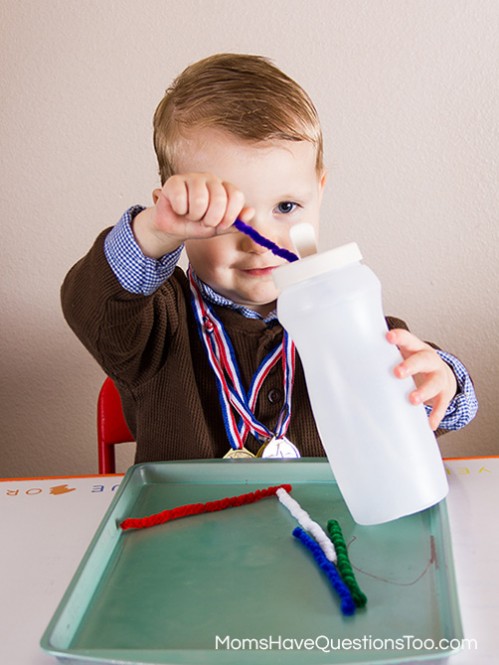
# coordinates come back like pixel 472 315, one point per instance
pixel 250 245
pixel 253 247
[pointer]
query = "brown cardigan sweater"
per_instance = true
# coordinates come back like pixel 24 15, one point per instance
pixel 150 346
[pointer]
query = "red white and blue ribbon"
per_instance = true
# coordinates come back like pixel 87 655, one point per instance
pixel 234 400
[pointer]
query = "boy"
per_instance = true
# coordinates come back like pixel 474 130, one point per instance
pixel 197 359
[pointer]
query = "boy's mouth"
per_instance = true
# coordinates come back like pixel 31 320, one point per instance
pixel 259 272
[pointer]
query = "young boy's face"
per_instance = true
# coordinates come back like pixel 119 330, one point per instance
pixel 280 182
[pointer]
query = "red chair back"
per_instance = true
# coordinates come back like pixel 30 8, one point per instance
pixel 111 426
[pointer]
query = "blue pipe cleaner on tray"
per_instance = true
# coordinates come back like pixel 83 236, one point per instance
pixel 329 569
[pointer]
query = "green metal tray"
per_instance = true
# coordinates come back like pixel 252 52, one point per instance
pixel 235 586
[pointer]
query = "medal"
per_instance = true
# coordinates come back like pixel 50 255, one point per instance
pixel 237 405
pixel 278 448
pixel 239 453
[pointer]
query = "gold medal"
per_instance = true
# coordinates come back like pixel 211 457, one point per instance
pixel 278 448
pixel 238 453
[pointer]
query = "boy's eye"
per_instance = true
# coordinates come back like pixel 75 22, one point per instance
pixel 285 207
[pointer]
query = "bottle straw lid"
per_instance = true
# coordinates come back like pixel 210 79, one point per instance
pixel 316 264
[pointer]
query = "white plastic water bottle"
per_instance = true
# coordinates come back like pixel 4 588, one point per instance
pixel 381 448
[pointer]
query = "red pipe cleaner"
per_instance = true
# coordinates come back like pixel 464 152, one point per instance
pixel 199 508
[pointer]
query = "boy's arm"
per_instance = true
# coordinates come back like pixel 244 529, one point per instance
pixel 464 405
pixel 136 272
pixel 116 298
pixel 117 302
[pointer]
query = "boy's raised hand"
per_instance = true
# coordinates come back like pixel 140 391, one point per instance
pixel 192 205
pixel 436 384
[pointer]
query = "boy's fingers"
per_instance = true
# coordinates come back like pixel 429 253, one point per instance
pixel 175 193
pixel 217 203
pixel 235 205
pixel 206 205
pixel 405 340
pixel 198 199
pixel 429 389
pixel 421 362
pixel 247 214
pixel 438 412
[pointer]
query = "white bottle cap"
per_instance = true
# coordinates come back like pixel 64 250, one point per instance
pixel 316 264
pixel 303 238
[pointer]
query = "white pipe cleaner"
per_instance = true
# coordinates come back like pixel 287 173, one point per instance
pixel 305 521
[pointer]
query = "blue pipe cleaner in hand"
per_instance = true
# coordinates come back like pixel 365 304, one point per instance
pixel 265 242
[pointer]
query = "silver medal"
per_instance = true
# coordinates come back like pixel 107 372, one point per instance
pixel 280 448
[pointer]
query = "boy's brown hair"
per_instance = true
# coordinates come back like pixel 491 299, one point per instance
pixel 246 95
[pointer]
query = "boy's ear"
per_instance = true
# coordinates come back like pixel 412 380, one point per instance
pixel 155 195
pixel 322 183
pixel 322 180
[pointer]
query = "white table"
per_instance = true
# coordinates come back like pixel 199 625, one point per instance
pixel 47 524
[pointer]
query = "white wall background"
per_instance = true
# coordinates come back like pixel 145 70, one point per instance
pixel 408 95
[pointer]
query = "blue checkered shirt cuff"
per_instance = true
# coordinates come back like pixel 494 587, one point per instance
pixel 464 406
pixel 136 272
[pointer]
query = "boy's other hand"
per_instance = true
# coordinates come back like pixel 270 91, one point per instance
pixel 435 381
pixel 192 205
